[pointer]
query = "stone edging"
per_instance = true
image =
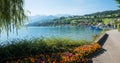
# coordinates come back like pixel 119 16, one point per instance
pixel 101 40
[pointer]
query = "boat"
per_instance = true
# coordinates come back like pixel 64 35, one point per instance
pixel 95 28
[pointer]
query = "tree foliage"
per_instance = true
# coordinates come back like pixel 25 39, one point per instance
pixel 118 2
pixel 12 14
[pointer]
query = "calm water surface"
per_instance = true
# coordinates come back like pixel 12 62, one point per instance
pixel 73 32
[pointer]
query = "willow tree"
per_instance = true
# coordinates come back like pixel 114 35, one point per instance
pixel 12 15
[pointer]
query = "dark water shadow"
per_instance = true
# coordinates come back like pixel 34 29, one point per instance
pixel 101 51
pixel 103 39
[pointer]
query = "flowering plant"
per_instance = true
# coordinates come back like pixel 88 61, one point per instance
pixel 78 55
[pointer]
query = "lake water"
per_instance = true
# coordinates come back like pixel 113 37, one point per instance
pixel 73 32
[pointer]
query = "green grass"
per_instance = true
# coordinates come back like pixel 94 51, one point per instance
pixel 24 48
pixel 106 21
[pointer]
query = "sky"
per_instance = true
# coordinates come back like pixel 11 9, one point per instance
pixel 71 7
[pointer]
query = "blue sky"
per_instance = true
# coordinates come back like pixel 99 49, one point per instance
pixel 72 7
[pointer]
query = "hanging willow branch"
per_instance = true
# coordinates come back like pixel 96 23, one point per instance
pixel 11 15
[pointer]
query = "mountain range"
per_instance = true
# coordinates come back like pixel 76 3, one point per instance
pixel 73 19
pixel 35 20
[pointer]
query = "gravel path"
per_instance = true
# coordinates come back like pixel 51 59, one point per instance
pixel 112 47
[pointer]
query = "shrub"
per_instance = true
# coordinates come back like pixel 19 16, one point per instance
pixel 25 48
pixel 118 27
pixel 78 55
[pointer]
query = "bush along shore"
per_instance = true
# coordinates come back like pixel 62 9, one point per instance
pixel 50 50
pixel 118 27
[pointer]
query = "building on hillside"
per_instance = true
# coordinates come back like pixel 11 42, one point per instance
pixel 118 19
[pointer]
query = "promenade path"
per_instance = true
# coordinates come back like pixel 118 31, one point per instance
pixel 112 47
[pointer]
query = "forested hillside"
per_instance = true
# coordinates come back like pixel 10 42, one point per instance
pixel 105 17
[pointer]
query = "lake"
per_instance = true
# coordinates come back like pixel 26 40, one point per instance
pixel 72 32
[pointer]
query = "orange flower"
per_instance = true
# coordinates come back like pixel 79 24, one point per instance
pixel 32 60
pixel 7 61
pixel 25 58
pixel 17 62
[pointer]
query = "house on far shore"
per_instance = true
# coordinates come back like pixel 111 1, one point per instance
pixel 118 19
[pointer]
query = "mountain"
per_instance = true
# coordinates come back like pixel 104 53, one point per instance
pixel 62 19
pixel 104 14
pixel 36 20
pixel 62 15
pixel 105 17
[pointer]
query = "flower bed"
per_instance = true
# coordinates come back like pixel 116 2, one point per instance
pixel 75 55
